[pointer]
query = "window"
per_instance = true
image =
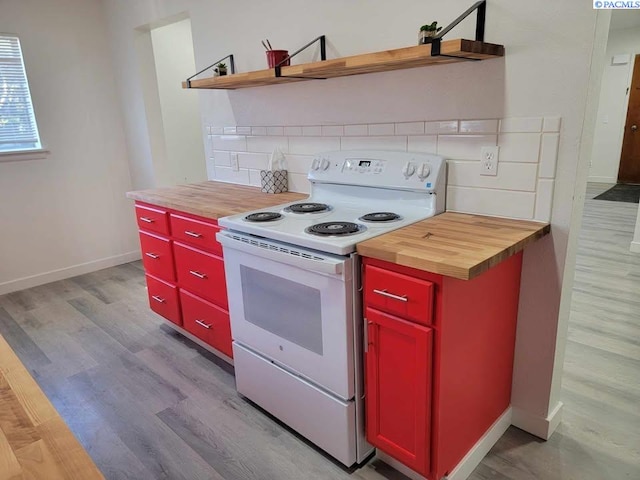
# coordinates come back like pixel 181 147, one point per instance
pixel 18 129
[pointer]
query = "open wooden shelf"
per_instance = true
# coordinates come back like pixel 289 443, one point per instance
pixel 451 51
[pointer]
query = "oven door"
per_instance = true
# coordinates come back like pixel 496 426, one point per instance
pixel 294 306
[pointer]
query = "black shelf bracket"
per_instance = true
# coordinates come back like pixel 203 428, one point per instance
pixel 436 41
pixel 323 56
pixel 232 68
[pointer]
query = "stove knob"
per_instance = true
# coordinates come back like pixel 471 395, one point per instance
pixel 315 164
pixel 424 171
pixel 324 164
pixel 408 170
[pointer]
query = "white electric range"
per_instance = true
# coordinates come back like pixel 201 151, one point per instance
pixel 293 281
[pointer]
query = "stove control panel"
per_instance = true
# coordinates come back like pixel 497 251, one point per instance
pixel 403 170
pixel 363 165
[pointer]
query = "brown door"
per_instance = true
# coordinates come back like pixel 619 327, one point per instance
pixel 629 171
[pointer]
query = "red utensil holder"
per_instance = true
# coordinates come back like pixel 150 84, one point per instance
pixel 274 57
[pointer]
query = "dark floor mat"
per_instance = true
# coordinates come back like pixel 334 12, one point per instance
pixel 621 193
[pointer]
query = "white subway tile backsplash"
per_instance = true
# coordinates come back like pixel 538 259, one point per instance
pixel 267 144
pixel 332 130
pixel 226 174
pixel 211 171
pixel 548 155
pixel 312 131
pixel 355 130
pixel 551 124
pixel 299 183
pixel 232 143
pixel 523 187
pixel 511 176
pixel 293 131
pixel 521 124
pixel 398 143
pixel 299 163
pixel 449 126
pixel 381 129
pixel 256 161
pixel 519 147
pixel 486 201
pixel 313 145
pixel 544 200
pixel 275 131
pixel 464 147
pixel 410 128
pixel 221 158
pixel 478 126
pixel 254 178
pixel 422 143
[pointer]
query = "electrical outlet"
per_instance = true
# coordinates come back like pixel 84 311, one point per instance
pixel 233 157
pixel 489 161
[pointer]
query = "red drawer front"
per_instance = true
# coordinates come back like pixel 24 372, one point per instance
pixel 157 256
pixel 196 232
pixel 201 273
pixel 407 297
pixel 152 219
pixel 163 299
pixel 207 322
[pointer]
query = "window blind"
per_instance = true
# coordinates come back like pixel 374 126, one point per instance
pixel 18 129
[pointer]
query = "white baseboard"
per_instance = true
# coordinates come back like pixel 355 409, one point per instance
pixel 602 179
pixel 470 461
pixel 67 272
pixel 539 426
pixel 635 247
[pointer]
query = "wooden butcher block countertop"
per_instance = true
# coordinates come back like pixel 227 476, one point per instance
pixel 213 199
pixel 454 244
pixel 35 443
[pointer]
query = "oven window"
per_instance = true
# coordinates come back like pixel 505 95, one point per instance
pixel 287 309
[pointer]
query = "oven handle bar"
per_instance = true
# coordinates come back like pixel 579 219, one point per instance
pixel 328 265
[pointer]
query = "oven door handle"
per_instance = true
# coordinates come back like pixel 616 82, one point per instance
pixel 318 262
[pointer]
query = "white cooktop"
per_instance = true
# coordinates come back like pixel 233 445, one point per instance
pixel 354 184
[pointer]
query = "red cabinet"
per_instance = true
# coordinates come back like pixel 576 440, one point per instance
pixel 206 321
pixel 185 273
pixel 163 299
pixel 152 219
pixel 200 272
pixel 157 256
pixel 402 295
pixel 439 360
pixel 399 388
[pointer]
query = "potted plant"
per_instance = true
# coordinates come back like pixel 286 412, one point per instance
pixel 427 32
pixel 220 70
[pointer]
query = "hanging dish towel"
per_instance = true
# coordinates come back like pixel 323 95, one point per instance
pixel 275 179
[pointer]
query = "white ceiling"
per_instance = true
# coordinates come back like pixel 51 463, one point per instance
pixel 624 19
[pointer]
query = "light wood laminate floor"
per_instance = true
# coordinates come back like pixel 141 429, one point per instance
pixel 148 404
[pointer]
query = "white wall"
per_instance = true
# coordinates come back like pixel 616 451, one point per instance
pixel 545 73
pixel 67 213
pixel 184 148
pixel 612 109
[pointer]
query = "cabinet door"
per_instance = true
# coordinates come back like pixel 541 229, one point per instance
pixel 398 389
pixel 157 256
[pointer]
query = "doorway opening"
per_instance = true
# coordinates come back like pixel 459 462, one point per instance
pixel 166 58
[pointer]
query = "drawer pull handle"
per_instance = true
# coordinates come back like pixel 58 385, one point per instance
pixel 202 324
pixel 147 219
pixel 192 234
pixel 384 293
pixel 152 255
pixel 198 274
pixel 158 299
